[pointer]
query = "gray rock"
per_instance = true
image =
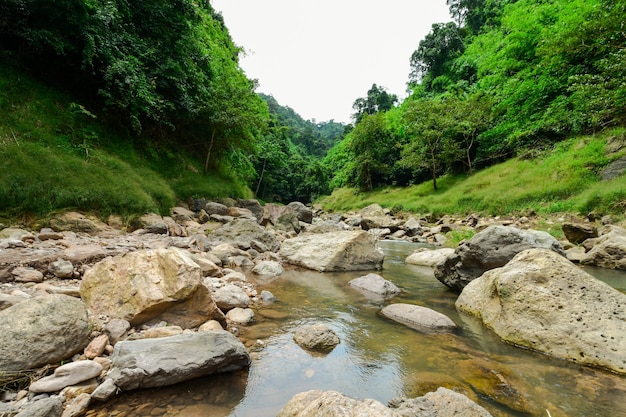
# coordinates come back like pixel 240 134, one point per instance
pixel 49 234
pixel 76 222
pixel 281 217
pixel 104 391
pixel 267 297
pixel 240 315
pixel 268 268
pixel 254 206
pixel 317 337
pixel 215 208
pixel 441 403
pixel 542 301
pixel 159 362
pixel 375 284
pixel 61 269
pixel 488 249
pixel 614 169
pixel 44 407
pixel 230 296
pixel 607 251
pixel 579 232
pixel 429 257
pixel 332 404
pixel 117 329
pixel 338 251
pixel 303 213
pixel 65 375
pixel 242 230
pixel 42 330
pixel 419 318
pixel 413 227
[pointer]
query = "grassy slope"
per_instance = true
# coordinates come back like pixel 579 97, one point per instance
pixel 564 180
pixel 54 154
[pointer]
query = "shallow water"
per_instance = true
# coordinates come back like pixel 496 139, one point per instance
pixel 381 359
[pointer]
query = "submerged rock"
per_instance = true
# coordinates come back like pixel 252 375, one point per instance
pixel 418 317
pixel 317 337
pixel 376 285
pixel 542 301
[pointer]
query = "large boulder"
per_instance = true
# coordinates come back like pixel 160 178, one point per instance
pixel 440 403
pixel 42 330
pixel 244 232
pixel 144 285
pixel 303 213
pixel 579 232
pixel 489 249
pixel 375 217
pixel 419 318
pixel 281 217
pixel 253 205
pixel 607 251
pixel 147 363
pixel 338 251
pixel 317 337
pixel 542 301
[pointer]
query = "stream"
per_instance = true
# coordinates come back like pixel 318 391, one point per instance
pixel 380 359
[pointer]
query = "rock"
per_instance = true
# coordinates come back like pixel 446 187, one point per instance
pixel 105 391
pixel 317 337
pixel 303 213
pixel 77 407
pixel 215 208
pixel 267 297
pixel 8 300
pixel 65 375
pixel 413 227
pixel 607 251
pixel 254 206
pixel 117 329
pixel 233 276
pixel 76 222
pixel 207 266
pixel 96 346
pixel 441 403
pixel 231 296
pixel 44 407
pixel 375 217
pixel 338 251
pixel 543 302
pixel 49 234
pixel 332 404
pixel 281 217
pixel 419 318
pixel 143 285
pixel 26 274
pixel 149 223
pixel 61 269
pixel 240 315
pixel 268 268
pixel 42 330
pixel 150 363
pixel 162 331
pixel 579 232
pixel 245 231
pixel 488 249
pixel 375 284
pixel 210 326
pixel 15 233
pixel 614 169
pixel 429 257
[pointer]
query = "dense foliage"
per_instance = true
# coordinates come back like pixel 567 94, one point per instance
pixel 506 78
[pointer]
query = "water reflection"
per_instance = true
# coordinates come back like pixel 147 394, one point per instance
pixel 378 358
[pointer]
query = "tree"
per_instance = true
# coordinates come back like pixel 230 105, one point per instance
pixel 476 15
pixel 377 100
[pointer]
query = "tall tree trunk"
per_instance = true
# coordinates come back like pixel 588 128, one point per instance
pixel 434 168
pixel 469 159
pixel 258 185
pixel 208 154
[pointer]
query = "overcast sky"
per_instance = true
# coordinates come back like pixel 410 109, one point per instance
pixel 317 57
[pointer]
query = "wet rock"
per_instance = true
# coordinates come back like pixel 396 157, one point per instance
pixel 267 297
pixel 61 269
pixel 419 318
pixel 542 301
pixel 429 257
pixel 441 403
pixel 488 249
pixel 143 285
pixel 317 337
pixel 375 284
pixel 332 404
pixel 608 250
pixel 338 251
pixel 65 375
pixel 149 363
pixel 42 330
pixel 579 232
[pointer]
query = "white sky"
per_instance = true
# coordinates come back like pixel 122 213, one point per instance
pixel 317 57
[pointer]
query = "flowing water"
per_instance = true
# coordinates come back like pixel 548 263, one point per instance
pixel 381 359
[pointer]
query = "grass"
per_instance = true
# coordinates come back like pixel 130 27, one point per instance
pixel 56 155
pixel 564 180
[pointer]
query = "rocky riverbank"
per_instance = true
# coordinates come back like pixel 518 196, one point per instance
pixel 95 295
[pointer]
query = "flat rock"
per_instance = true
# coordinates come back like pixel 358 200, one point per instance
pixel 375 284
pixel 419 318
pixel 149 363
pixel 429 257
pixel 65 375
pixel 333 404
pixel 441 403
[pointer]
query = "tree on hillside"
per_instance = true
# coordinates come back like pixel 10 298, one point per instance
pixel 476 15
pixel 377 100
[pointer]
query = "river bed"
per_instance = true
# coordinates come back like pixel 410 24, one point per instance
pixel 380 359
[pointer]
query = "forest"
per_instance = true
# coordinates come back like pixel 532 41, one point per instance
pixel 504 78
